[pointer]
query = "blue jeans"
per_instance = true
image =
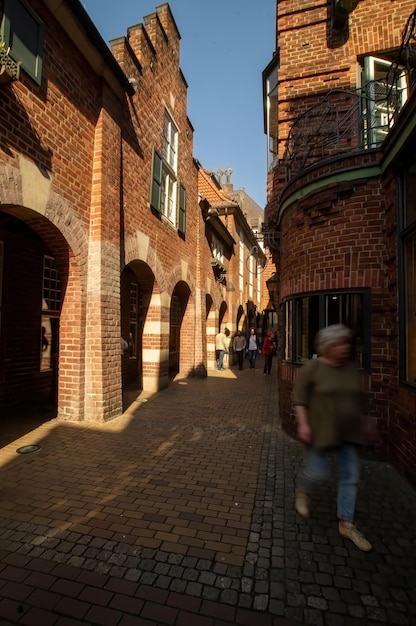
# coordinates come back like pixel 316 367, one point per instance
pixel 252 354
pixel 316 468
pixel 220 359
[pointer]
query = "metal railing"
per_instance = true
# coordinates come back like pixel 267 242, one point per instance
pixel 347 120
pixel 342 122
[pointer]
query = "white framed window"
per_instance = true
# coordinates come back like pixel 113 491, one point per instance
pixel 51 306
pixel 168 197
pixel 259 268
pixel 251 272
pixel 170 142
pixel 217 249
pixel 385 95
pixel 241 266
pixel 270 91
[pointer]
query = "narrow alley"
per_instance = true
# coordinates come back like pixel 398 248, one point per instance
pixel 181 512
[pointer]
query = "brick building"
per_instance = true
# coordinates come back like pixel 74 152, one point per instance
pixel 102 233
pixel 236 256
pixel 340 122
pixel 254 215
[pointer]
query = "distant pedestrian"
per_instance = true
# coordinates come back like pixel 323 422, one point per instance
pixel 221 347
pixel 253 347
pixel 268 349
pixel 239 347
pixel 227 348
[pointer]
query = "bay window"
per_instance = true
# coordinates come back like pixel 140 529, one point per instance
pixel 305 315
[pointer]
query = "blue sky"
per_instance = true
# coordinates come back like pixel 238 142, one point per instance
pixel 225 46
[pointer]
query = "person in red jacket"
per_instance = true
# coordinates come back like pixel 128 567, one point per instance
pixel 268 350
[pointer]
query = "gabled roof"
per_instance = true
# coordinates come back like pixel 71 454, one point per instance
pixel 216 202
pixel 210 189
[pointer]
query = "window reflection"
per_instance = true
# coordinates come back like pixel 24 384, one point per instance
pixel 304 316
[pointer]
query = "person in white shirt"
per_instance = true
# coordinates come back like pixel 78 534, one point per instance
pixel 221 347
pixel 253 347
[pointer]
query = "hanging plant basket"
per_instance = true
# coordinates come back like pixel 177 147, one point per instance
pixel 9 68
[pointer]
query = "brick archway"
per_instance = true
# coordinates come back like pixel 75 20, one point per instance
pixel 54 244
pixel 142 312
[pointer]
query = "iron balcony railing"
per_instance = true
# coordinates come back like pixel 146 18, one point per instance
pixel 346 120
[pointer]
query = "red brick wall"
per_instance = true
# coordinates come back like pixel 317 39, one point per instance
pixel 345 234
pixel 334 239
pixel 64 136
pixel 315 59
pixel 76 167
pixel 51 129
pixel 160 87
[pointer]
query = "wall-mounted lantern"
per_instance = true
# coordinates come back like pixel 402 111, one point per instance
pixel 341 11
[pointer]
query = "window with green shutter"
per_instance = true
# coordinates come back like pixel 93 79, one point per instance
pixel 182 209
pixel 22 31
pixel 168 198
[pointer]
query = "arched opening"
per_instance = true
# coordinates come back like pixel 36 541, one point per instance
pixel 208 305
pixel 33 277
pixel 181 331
pixel 223 317
pixel 137 285
pixel 211 330
pixel 240 319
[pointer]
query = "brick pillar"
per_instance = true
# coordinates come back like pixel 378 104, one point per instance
pixel 211 331
pixel 71 379
pixel 155 352
pixel 200 343
pixel 103 396
pixel 187 340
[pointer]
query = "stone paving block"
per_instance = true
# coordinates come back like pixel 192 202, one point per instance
pixel 16 591
pixel 218 611
pixel 38 616
pixel 10 610
pixel 126 604
pixel 66 621
pixel 95 596
pixel 103 616
pixel 160 613
pixel 72 607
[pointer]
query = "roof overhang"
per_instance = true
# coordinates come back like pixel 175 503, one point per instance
pixel 79 27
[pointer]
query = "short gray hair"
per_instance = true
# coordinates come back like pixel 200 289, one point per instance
pixel 330 335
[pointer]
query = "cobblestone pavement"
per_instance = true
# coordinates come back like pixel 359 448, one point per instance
pixel 180 512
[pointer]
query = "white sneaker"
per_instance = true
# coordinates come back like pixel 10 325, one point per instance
pixel 349 531
pixel 302 503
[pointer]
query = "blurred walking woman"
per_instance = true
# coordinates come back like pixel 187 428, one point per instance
pixel 328 403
